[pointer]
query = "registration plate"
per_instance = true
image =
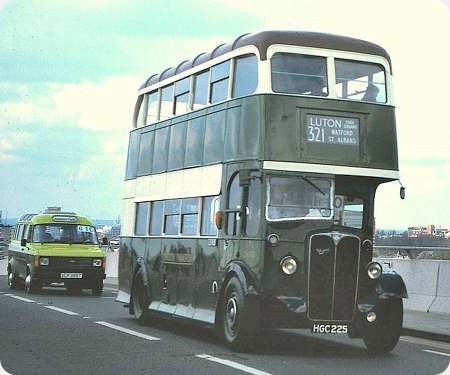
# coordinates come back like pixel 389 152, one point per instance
pixel 71 275
pixel 329 328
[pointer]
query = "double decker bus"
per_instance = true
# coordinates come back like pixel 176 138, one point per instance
pixel 250 185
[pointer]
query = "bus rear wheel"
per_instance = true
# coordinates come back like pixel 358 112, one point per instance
pixel 383 336
pixel 237 329
pixel 140 301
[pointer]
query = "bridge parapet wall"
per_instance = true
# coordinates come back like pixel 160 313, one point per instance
pixel 427 282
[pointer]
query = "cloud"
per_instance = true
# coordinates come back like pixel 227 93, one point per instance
pixel 102 106
pixel 3 3
pixel 10 142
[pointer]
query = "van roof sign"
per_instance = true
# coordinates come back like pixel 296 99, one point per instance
pixel 64 219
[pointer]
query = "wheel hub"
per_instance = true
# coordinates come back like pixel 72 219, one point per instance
pixel 28 282
pixel 232 311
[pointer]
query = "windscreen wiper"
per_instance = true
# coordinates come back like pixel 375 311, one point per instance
pixel 312 184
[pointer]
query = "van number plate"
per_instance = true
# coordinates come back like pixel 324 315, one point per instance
pixel 330 328
pixel 71 276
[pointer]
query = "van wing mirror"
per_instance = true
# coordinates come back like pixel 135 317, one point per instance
pixel 104 241
pixel 402 192
pixel 23 242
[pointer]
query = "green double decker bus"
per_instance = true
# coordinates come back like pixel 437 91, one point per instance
pixel 250 186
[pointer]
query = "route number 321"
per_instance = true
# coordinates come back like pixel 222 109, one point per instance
pixel 316 134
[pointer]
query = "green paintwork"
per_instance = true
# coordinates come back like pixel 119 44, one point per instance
pixel 268 127
pixel 180 272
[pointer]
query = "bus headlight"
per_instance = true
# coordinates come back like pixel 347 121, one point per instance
pixel 96 262
pixel 288 265
pixel 44 261
pixel 374 270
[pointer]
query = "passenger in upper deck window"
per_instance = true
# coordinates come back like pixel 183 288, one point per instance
pixel 317 87
pixel 371 93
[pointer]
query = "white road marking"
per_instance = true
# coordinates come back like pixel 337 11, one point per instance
pixel 426 342
pixel 20 298
pixel 235 365
pixel 61 310
pixel 129 331
pixel 86 317
pixel 439 353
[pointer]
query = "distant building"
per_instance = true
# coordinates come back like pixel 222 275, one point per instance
pixel 115 231
pixel 417 231
pixel 429 230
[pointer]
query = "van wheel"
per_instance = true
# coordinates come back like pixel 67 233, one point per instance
pixel 383 336
pixel 31 286
pixel 237 330
pixel 140 301
pixel 97 289
pixel 13 280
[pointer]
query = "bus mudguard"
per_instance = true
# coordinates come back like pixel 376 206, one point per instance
pixel 141 271
pixel 391 285
pixel 241 271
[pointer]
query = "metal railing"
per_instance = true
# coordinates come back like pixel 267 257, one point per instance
pixel 411 252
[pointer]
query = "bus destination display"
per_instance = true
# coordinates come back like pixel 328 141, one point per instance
pixel 332 130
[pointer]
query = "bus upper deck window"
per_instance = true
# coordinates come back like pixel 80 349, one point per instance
pixel 299 74
pixel 245 77
pixel 152 107
pixel 361 81
pixel 166 109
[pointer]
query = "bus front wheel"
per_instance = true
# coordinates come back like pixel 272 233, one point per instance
pixel 140 301
pixel 383 336
pixel 237 330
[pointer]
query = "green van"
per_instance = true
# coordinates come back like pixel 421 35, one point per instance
pixel 56 247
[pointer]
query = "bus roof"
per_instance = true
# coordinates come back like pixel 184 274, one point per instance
pixel 56 218
pixel 262 40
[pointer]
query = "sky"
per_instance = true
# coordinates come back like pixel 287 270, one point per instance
pixel 70 70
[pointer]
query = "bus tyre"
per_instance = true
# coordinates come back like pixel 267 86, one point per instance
pixel 383 336
pixel 97 289
pixel 140 301
pixel 31 286
pixel 237 330
pixel 13 281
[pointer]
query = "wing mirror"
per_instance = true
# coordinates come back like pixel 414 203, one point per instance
pixel 402 192
pixel 104 241
pixel 23 242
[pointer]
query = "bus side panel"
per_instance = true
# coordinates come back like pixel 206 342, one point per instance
pixel 130 250
pixel 186 252
pixel 206 273
pixel 153 269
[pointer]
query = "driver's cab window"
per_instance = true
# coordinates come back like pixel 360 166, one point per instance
pixel 233 208
pixel 348 211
